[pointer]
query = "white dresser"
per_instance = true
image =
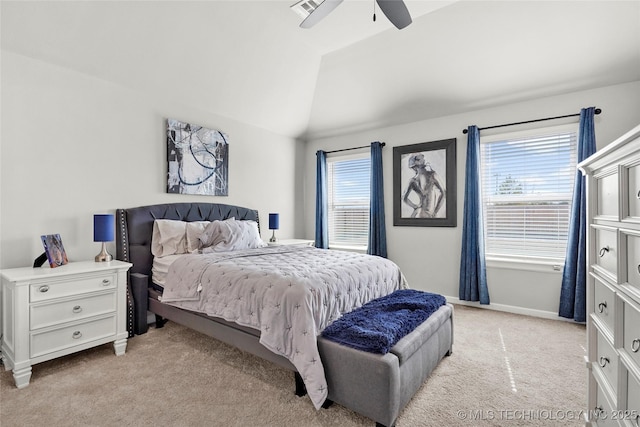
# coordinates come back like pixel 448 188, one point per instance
pixel 51 312
pixel 613 282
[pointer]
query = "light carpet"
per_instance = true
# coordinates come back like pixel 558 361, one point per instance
pixel 506 370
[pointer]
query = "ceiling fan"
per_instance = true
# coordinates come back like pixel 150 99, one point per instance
pixel 313 11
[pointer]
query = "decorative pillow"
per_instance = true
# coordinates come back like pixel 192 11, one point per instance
pixel 169 237
pixel 194 231
pixel 236 236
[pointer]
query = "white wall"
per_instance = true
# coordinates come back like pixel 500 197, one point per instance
pixel 73 145
pixel 430 256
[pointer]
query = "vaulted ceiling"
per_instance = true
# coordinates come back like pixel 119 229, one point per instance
pixel 249 61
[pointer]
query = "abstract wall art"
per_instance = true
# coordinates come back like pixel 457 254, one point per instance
pixel 198 160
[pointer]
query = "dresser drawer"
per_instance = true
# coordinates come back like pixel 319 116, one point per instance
pixel 603 410
pixel 606 249
pixel 633 399
pixel 604 304
pixel 631 331
pixel 71 286
pixel 607 187
pixel 59 312
pixel 633 190
pixel 70 336
pixel 607 360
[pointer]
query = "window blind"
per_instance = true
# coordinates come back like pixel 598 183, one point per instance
pixel 348 194
pixel 527 187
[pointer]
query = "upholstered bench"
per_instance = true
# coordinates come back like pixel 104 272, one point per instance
pixel 379 386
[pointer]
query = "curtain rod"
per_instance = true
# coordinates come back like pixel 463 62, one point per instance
pixel 382 144
pixel 597 111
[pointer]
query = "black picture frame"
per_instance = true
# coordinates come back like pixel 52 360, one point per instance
pixel 418 168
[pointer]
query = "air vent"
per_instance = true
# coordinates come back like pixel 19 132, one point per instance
pixel 305 7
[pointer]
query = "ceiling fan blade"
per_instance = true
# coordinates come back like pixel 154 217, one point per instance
pixel 325 8
pixel 396 11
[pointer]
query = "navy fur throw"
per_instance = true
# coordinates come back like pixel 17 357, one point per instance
pixel 379 324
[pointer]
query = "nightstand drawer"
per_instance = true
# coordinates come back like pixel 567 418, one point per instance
pixel 607 360
pixel 71 286
pixel 74 309
pixel 70 336
pixel 631 331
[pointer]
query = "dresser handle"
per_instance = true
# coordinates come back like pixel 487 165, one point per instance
pixel 43 288
pixel 638 268
pixel 76 335
pixel 635 345
pixel 597 411
pixel 603 251
pixel 638 195
pixel 106 282
pixel 602 306
pixel 603 361
pixel 77 309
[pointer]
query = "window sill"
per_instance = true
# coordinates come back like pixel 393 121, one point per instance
pixel 526 264
pixel 358 249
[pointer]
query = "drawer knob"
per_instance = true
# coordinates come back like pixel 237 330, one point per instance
pixel 603 251
pixel 603 361
pixel 77 335
pixel 602 306
pixel 635 345
pixel 106 282
pixel 597 411
pixel 77 309
pixel 43 288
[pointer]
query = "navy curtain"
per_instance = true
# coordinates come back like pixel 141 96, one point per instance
pixel 574 276
pixel 322 205
pixel 377 230
pixel 473 270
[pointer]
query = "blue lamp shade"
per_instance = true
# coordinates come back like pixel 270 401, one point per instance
pixel 274 221
pixel 103 228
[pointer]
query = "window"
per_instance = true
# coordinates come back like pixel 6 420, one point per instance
pixel 348 179
pixel 527 187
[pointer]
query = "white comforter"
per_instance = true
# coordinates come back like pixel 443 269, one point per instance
pixel 289 293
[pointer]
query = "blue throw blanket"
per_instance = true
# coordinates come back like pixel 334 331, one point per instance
pixel 379 324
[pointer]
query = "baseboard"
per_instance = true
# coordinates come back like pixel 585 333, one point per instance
pixel 510 309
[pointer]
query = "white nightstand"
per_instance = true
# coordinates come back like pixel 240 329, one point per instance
pixel 52 312
pixel 285 242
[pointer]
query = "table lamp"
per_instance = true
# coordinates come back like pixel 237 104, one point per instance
pixel 103 231
pixel 274 224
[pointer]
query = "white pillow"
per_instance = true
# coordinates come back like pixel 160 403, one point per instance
pixel 236 236
pixel 214 233
pixel 194 231
pixel 169 237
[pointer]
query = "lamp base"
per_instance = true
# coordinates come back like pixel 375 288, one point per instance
pixel 104 256
pixel 273 237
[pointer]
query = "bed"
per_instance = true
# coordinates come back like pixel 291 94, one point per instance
pixel 233 323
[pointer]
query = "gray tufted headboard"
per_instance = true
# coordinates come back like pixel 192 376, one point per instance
pixel 134 227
